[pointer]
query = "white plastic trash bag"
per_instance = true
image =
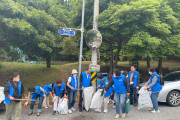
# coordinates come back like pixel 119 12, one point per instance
pixel 63 107
pixel 88 92
pixel 144 99
pixel 97 100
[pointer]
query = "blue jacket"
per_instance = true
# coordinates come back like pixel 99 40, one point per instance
pixel 11 91
pixel 46 88
pixel 73 83
pixel 59 90
pixel 119 86
pixel 37 93
pixel 86 81
pixel 157 87
pixel 135 78
pixel 109 92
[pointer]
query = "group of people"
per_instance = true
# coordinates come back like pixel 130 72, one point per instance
pixel 121 84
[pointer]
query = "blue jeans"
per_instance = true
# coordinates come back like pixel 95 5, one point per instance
pixel 72 98
pixel 41 98
pixel 120 99
pixel 154 97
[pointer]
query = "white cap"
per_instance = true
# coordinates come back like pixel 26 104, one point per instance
pixel 74 71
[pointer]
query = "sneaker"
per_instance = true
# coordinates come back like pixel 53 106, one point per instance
pixel 98 110
pixel 105 110
pixel 155 111
pixel 54 112
pixel 69 111
pixel 117 116
pixel 80 109
pixel 158 111
pixel 123 115
pixel 73 109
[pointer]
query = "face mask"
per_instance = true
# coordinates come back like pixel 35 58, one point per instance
pixel 74 75
pixel 114 75
pixel 150 73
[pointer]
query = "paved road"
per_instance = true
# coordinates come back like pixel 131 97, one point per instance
pixel 167 113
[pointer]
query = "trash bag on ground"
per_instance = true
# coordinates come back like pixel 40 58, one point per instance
pixel 144 101
pixel 97 100
pixel 63 107
pixel 88 92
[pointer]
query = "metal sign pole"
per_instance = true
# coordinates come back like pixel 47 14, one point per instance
pixel 81 42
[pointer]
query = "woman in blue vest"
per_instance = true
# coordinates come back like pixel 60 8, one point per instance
pixel 85 81
pixel 72 83
pixel 103 84
pixel 13 90
pixel 48 89
pixel 36 92
pixel 154 84
pixel 59 93
pixel 121 88
pixel 133 79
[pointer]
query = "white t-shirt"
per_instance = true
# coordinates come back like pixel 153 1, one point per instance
pixel 70 79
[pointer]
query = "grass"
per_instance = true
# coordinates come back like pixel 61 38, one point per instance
pixel 39 75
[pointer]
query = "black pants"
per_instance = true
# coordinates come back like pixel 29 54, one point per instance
pixel 133 94
pixel 80 99
pixel 112 96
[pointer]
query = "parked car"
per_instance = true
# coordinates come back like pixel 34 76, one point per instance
pixel 2 97
pixel 171 89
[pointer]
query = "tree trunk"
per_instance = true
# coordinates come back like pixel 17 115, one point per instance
pixel 148 62
pixel 160 66
pixel 117 55
pixel 111 60
pixel 48 62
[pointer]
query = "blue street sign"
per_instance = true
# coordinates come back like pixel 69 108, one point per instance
pixel 66 32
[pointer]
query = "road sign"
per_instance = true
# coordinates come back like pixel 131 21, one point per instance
pixel 94 68
pixel 66 32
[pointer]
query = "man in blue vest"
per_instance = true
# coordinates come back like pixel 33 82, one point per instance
pixel 154 84
pixel 73 85
pixel 48 89
pixel 36 92
pixel 121 89
pixel 85 81
pixel 133 79
pixel 59 93
pixel 14 90
pixel 103 84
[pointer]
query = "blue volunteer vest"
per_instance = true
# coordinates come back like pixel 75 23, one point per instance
pixel 119 86
pixel 38 92
pixel 109 92
pixel 73 83
pixel 85 81
pixel 59 90
pixel 136 73
pixel 46 88
pixel 11 92
pixel 157 87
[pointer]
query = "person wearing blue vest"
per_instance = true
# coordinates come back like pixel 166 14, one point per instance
pixel 59 93
pixel 36 92
pixel 133 79
pixel 103 84
pixel 48 89
pixel 85 81
pixel 121 89
pixel 73 85
pixel 154 84
pixel 14 90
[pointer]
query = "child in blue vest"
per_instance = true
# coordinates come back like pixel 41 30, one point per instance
pixel 73 85
pixel 154 84
pixel 85 81
pixel 59 93
pixel 36 92
pixel 121 89
pixel 103 84
pixel 14 90
pixel 48 88
pixel 133 79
